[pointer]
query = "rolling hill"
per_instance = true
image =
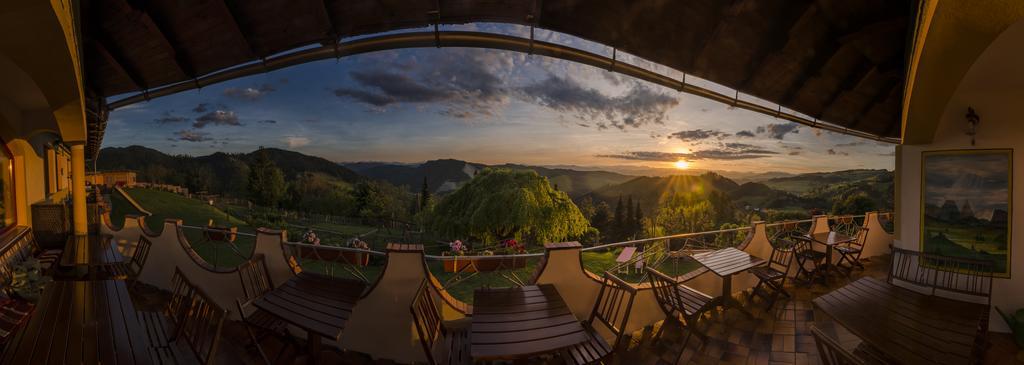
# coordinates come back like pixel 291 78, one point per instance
pixel 220 173
pixel 447 175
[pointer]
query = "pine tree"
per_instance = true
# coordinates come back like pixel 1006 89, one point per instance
pixel 638 219
pixel 266 181
pixel 627 226
pixel 619 220
pixel 424 195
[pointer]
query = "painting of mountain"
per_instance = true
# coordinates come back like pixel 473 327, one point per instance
pixel 965 205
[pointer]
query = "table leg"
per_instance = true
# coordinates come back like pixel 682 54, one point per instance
pixel 313 341
pixel 727 292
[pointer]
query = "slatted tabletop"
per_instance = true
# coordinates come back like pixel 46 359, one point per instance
pixel 318 304
pixel 830 238
pixel 727 261
pixel 91 250
pixel 81 322
pixel 909 327
pixel 515 323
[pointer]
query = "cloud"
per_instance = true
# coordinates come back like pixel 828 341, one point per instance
pixel 464 83
pixel 217 117
pixel 201 108
pixel 698 135
pixel 851 144
pixel 834 152
pixel 745 133
pixel 639 106
pixel 470 84
pixel 778 131
pixel 249 93
pixel 296 141
pixel 169 118
pixel 188 135
pixel 739 151
pixel 794 153
pixel 268 121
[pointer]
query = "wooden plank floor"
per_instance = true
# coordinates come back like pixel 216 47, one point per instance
pixel 779 336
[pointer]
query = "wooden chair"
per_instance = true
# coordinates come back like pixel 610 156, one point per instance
pixel 676 299
pixel 806 254
pixel 190 319
pixel 201 326
pixel 260 324
pixel 772 277
pixel 442 344
pixel 131 269
pixel 831 352
pixel 611 310
pixel 162 326
pixel 850 253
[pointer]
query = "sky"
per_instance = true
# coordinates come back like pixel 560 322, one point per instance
pixel 484 106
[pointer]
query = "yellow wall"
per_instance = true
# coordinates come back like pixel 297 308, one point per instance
pixel 994 87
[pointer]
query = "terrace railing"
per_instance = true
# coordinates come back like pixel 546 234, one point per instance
pixel 669 254
pixel 338 261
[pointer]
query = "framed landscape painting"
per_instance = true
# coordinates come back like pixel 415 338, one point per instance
pixel 966 200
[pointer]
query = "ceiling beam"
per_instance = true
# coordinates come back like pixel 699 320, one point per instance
pixel 171 43
pixel 117 60
pixel 233 14
pixel 720 19
pixel 876 99
pixel 773 44
pixel 335 35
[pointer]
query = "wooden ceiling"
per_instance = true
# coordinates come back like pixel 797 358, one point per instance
pixel 839 61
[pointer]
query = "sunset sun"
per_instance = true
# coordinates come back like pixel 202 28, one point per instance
pixel 682 164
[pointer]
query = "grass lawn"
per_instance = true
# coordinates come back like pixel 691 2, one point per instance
pixel 192 212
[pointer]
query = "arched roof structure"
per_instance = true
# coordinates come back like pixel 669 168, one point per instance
pixel 837 61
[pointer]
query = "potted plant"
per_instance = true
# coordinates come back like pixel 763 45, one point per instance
pixel 1016 323
pixel 456 248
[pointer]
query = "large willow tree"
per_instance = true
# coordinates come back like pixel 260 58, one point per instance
pixel 502 203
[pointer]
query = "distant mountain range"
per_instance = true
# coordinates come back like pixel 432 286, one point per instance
pixel 225 173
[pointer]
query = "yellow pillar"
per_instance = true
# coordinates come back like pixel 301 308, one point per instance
pixel 78 188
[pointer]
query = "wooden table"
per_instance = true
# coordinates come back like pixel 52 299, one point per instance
pixel 522 322
pixel 829 239
pixel 318 304
pixel 91 250
pixel 908 327
pixel 81 322
pixel 725 263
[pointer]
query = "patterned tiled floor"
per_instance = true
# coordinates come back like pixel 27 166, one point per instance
pixel 780 335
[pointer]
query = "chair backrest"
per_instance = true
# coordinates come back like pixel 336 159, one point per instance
pixel 613 305
pixel 427 318
pixel 831 352
pixel 255 277
pixel 182 292
pixel 970 277
pixel 664 290
pixel 861 238
pixel 782 255
pixel 202 325
pixel 140 255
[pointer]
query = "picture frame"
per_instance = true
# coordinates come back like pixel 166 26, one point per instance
pixel 967 205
